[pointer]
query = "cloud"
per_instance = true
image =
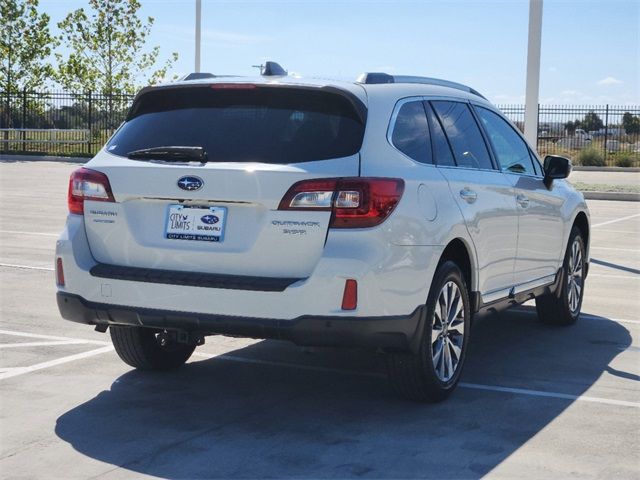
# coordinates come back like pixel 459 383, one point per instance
pixel 609 81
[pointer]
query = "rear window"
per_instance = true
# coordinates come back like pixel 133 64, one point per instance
pixel 261 124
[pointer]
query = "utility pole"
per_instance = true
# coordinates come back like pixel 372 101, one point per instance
pixel 533 73
pixel 198 33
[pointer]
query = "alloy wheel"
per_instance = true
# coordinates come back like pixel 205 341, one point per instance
pixel 575 279
pixel 447 331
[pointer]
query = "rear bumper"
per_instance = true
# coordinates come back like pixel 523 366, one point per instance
pixel 392 281
pixel 400 332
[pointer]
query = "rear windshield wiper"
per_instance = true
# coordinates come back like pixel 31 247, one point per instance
pixel 170 154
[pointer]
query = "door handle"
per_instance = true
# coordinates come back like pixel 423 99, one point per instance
pixel 468 195
pixel 522 200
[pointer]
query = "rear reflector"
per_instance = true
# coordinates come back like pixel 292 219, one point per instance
pixel 86 184
pixel 354 202
pixel 350 296
pixel 59 273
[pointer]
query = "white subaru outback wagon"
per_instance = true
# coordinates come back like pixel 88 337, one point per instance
pixel 382 213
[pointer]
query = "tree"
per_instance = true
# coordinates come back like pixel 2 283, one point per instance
pixel 25 45
pixel 571 127
pixel 631 123
pixel 107 49
pixel 592 122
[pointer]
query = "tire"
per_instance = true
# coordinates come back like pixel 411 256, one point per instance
pixel 563 306
pixel 140 348
pixel 423 376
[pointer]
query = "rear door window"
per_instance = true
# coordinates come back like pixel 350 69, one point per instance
pixel 464 135
pixel 251 124
pixel 441 148
pixel 411 132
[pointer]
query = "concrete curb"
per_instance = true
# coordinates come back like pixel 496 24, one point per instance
pixel 620 196
pixel 42 158
pixel 579 168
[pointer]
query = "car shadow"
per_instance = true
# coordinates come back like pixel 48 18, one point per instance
pixel 249 414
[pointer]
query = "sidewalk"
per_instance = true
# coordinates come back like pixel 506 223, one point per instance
pixel 607 185
pixel 606 178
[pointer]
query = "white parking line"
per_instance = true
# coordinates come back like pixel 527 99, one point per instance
pixel 583 316
pixel 614 249
pixel 607 319
pixel 626 277
pixel 16 371
pixel 26 267
pixel 628 217
pixel 31 233
pixel 540 393
pixel 42 344
pixel 475 386
pixel 606 230
pixel 52 363
pixel 50 337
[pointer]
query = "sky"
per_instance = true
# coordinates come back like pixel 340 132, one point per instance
pixel 590 48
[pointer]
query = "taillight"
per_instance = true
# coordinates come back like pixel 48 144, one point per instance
pixel 354 202
pixel 86 184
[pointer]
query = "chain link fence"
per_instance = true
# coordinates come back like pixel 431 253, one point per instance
pixel 78 124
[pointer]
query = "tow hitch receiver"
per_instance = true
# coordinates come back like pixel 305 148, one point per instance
pixel 180 336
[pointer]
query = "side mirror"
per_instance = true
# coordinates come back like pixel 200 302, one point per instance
pixel 556 166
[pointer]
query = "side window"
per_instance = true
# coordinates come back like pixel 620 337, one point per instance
pixel 411 132
pixel 511 151
pixel 536 163
pixel 441 150
pixel 464 134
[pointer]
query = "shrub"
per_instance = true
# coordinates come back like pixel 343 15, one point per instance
pixel 626 160
pixel 590 158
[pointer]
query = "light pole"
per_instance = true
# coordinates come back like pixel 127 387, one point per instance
pixel 533 73
pixel 198 33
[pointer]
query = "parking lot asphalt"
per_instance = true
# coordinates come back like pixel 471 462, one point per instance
pixel 535 401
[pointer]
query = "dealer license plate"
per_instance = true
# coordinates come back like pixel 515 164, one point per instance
pixel 186 222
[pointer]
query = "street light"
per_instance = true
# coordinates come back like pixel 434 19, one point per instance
pixel 533 73
pixel 198 33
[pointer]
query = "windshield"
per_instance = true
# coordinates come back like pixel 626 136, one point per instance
pixel 249 124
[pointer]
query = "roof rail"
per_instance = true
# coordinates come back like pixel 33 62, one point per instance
pixel 196 76
pixel 371 78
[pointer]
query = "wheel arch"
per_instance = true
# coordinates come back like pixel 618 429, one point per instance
pixel 458 251
pixel 582 222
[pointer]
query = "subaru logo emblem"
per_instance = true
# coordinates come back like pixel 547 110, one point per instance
pixel 190 183
pixel 209 219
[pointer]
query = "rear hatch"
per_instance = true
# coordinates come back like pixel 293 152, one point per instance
pixel 216 211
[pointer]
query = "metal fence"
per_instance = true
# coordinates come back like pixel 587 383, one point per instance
pixel 59 123
pixel 588 134
pixel 80 123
